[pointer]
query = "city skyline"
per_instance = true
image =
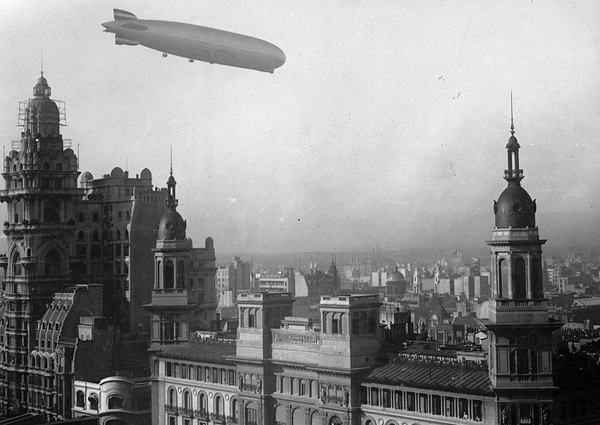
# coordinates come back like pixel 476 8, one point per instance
pixel 378 131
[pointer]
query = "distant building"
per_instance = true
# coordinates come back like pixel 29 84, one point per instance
pixel 284 282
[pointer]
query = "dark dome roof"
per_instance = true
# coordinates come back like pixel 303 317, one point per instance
pixel 512 143
pixel 515 208
pixel 171 226
pixel 396 276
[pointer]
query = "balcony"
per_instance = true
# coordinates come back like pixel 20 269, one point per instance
pixel 170 297
pixel 201 414
pixel 525 310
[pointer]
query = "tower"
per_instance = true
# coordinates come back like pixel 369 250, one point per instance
pixel 520 359
pixel 171 305
pixel 40 176
pixel 182 299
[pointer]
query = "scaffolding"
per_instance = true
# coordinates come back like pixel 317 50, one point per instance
pixel 62 112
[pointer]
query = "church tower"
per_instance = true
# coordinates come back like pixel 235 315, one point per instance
pixel 40 190
pixel 520 358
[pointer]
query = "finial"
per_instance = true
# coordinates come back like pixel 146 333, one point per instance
pixel 42 65
pixel 512 124
pixel 171 169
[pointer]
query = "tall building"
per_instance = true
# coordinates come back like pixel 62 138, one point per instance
pixel 40 190
pixel 519 328
pixel 116 227
pixel 68 242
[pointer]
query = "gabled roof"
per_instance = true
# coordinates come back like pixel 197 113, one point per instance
pixel 453 377
pixel 199 351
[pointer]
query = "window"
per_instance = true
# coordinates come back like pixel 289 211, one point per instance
pixel 169 371
pixel 80 402
pixel 115 402
pixel 168 276
pixel 386 398
pixel 449 406
pixel 52 263
pixel 410 401
pixel 93 400
pixel 397 399
pixel 436 405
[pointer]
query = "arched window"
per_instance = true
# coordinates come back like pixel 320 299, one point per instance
pixel 158 276
pixel 187 399
pixel 219 409
pixel 172 397
pixel 503 279
pixel 126 234
pixel 169 276
pixel 537 287
pixel 80 235
pixel 181 274
pixel 115 402
pixel 17 267
pixel 118 235
pixel 52 263
pixel 93 400
pixel 95 236
pixel 59 167
pixel 202 402
pixel 45 166
pixel 80 399
pixel 519 279
pixel 298 416
pixel 235 406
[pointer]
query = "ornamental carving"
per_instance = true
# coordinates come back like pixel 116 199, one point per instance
pixel 295 338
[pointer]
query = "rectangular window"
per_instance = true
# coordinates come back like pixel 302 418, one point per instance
pixel 215 376
pixel 184 371
pixel 231 377
pixel 449 402
pixel 423 403
pixel 223 376
pixel 386 398
pixel 207 374
pixel 478 410
pixel 172 420
pixel 176 372
pixel 169 371
pixel 410 401
pixel 397 399
pixel 463 408
pixel 436 405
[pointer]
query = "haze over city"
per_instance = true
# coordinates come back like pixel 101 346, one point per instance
pixel 386 125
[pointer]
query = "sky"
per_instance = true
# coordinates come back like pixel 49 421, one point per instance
pixel 385 127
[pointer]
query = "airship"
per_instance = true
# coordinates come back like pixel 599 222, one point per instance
pixel 195 42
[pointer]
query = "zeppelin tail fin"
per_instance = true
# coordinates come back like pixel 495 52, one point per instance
pixel 123 14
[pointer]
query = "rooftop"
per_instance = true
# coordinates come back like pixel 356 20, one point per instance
pixel 441 374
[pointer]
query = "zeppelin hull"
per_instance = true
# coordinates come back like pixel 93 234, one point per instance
pixel 199 43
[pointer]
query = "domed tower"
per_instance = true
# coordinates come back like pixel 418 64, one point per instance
pixel 40 189
pixel 520 358
pixel 182 278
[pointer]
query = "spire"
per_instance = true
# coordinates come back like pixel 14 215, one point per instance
pixel 512 124
pixel 171 183
pixel 513 175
